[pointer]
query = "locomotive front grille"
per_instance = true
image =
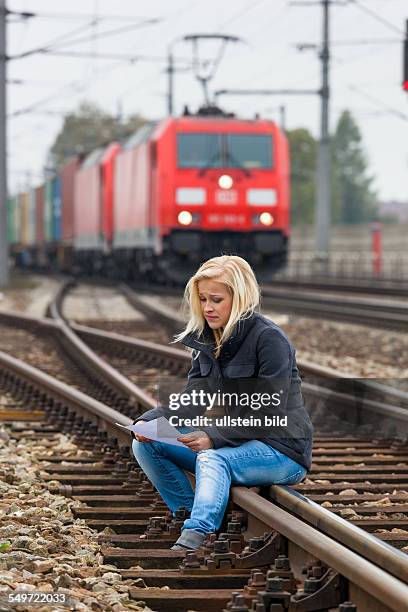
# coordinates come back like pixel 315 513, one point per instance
pixel 211 244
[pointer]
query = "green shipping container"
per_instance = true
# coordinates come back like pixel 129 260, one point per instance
pixel 48 212
pixel 12 212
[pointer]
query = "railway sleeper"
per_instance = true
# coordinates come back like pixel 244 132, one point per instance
pixel 320 583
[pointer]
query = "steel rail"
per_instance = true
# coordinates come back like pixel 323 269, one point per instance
pixel 331 524
pixel 391 288
pixel 78 349
pixel 172 319
pixel 389 590
pixel 394 316
pixel 358 570
pixel 29 322
pixel 168 317
pixel 398 415
pixel 104 416
pixel 89 334
pixel 131 343
pixel 369 303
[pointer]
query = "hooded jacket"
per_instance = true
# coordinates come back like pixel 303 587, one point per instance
pixel 258 357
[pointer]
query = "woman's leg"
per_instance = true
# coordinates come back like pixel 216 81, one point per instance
pixel 163 464
pixel 252 463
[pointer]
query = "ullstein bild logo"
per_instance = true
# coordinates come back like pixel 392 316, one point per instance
pixel 201 398
pixel 228 421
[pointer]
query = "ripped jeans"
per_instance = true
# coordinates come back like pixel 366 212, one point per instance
pixel 252 463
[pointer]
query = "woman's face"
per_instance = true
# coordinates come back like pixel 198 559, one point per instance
pixel 216 302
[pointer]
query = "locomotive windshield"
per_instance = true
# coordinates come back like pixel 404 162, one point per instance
pixel 199 150
pixel 211 150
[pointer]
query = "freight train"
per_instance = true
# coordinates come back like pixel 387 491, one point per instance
pixel 175 193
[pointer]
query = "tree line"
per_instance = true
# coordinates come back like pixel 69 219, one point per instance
pixel 353 198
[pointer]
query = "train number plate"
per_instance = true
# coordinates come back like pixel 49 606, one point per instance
pixel 223 196
pixel 219 218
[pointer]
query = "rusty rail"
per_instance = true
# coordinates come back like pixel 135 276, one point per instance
pixel 374 575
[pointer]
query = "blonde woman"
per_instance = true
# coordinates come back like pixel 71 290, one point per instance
pixel 238 350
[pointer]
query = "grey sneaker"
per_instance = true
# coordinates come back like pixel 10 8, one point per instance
pixel 189 540
pixel 180 547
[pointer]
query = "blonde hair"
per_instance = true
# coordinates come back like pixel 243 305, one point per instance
pixel 238 276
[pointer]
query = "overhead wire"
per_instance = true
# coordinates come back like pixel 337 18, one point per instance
pixel 75 16
pixel 81 86
pixel 52 42
pixel 377 17
pixel 77 41
pixel 249 6
pixel 76 85
pixel 379 103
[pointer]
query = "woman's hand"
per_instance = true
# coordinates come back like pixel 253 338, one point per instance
pixel 196 441
pixel 141 438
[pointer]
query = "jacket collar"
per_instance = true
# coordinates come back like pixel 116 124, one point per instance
pixel 205 342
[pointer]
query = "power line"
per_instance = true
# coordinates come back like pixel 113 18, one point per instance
pixel 114 56
pixel 76 86
pixel 248 7
pixel 377 17
pixel 379 103
pixel 78 41
pixel 74 16
pixel 54 41
pixel 352 43
pixel 28 83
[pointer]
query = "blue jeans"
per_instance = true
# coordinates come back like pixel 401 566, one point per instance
pixel 252 463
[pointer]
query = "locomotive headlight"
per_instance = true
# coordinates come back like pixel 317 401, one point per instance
pixel 225 181
pixel 266 218
pixel 185 217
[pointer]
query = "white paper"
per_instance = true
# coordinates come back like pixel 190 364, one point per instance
pixel 157 429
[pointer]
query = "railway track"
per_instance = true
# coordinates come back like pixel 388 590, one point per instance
pixel 389 314
pixel 116 495
pixel 315 300
pixel 397 289
pixel 370 476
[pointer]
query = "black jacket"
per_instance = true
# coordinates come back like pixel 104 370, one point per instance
pixel 258 352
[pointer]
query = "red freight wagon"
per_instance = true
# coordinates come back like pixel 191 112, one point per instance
pixel 67 176
pixel 132 192
pixel 93 207
pixel 215 185
pixel 108 165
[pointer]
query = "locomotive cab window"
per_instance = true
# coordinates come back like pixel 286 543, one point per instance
pixel 209 150
pixel 249 151
pixel 199 150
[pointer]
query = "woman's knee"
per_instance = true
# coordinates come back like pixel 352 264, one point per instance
pixel 211 457
pixel 295 477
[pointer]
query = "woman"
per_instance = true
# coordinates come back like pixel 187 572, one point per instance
pixel 234 348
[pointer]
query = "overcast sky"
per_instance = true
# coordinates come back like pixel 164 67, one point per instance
pixel 365 78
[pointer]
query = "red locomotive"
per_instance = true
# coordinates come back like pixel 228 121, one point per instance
pixel 191 188
pixel 174 194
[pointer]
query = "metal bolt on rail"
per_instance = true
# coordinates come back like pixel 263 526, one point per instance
pixel 237 603
pixel 274 594
pixel 256 583
pixel 347 606
pixel 155 528
pixel 282 563
pixel 289 580
pixel 253 544
pixel 191 561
